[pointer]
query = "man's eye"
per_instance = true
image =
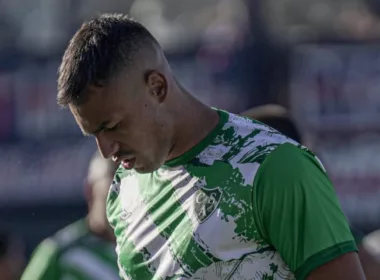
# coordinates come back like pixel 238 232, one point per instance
pixel 111 128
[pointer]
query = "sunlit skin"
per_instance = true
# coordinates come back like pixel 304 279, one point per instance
pixel 143 117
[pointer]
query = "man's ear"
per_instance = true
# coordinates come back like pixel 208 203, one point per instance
pixel 157 85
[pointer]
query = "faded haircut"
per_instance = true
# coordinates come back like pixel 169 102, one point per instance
pixel 99 51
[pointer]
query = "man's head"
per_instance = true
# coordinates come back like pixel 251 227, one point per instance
pixel 98 181
pixel 117 83
pixel 276 117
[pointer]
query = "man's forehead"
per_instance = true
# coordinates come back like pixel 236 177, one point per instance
pixel 89 121
pixel 92 130
pixel 86 128
pixel 104 105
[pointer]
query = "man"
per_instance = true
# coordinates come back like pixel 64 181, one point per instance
pixel 200 193
pixel 85 249
pixel 12 259
pixel 278 118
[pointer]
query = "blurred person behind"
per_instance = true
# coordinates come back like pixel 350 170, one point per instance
pixel 372 243
pixel 11 256
pixel 84 250
pixel 279 118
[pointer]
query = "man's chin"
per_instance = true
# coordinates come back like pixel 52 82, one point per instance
pixel 144 169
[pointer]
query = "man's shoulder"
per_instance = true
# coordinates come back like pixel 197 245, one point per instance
pixel 249 141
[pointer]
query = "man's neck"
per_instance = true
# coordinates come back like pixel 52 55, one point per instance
pixel 195 121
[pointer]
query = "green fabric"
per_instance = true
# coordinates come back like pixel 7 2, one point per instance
pixel 73 253
pixel 189 155
pixel 298 211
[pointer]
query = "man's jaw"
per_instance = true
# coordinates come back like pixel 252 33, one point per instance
pixel 128 162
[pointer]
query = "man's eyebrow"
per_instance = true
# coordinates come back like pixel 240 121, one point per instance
pixel 96 131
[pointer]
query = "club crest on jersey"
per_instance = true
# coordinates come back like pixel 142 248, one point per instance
pixel 206 202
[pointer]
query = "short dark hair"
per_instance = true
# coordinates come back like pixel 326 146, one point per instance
pixel 98 51
pixel 277 117
pixel 284 125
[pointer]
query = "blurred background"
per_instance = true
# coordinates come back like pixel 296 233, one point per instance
pixel 319 58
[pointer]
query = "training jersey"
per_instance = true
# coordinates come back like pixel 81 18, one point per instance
pixel 73 253
pixel 245 203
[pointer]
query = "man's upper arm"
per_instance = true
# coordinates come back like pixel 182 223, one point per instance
pixel 43 264
pixel 346 266
pixel 298 211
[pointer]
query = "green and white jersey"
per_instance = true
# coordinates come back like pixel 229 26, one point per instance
pixel 245 203
pixel 73 253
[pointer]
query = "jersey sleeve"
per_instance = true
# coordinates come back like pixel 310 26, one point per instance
pixel 298 212
pixel 43 264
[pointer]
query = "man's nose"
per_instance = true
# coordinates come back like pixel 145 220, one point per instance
pixel 107 147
